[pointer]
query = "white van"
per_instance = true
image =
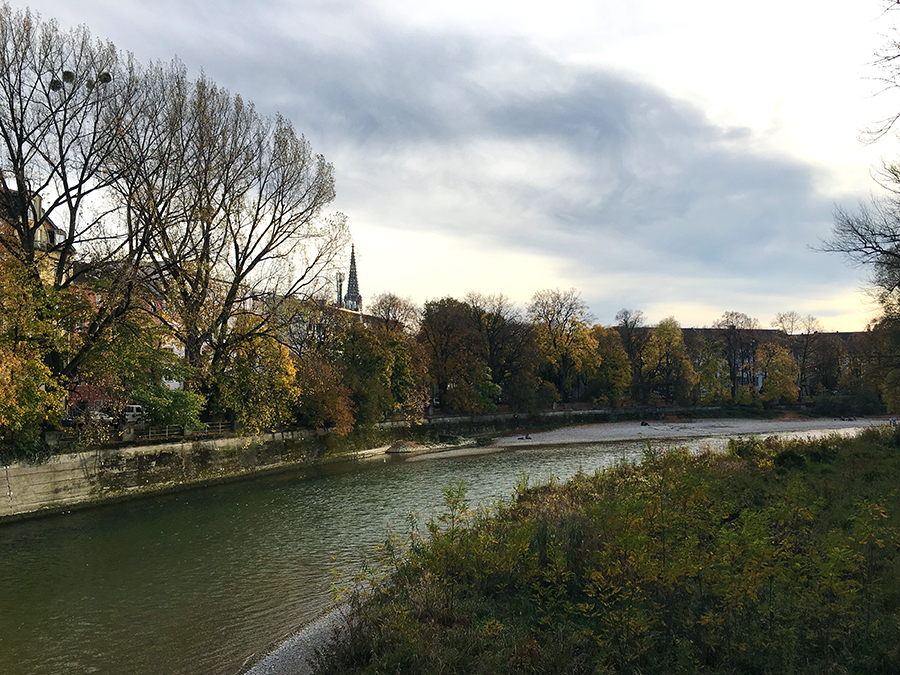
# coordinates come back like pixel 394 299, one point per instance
pixel 133 414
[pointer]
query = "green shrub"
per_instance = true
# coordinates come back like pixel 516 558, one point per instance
pixel 772 557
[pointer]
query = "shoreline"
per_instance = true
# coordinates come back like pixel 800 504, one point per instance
pixel 662 430
pixel 678 429
pixel 292 656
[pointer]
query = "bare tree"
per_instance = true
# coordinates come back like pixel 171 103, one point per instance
pixel 737 332
pixel 235 203
pixel 396 313
pixel 888 59
pixel 65 100
pixel 635 337
pixel 871 238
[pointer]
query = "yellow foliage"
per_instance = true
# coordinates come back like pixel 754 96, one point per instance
pixel 28 394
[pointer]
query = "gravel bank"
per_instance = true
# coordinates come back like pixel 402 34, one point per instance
pixel 672 430
pixel 294 655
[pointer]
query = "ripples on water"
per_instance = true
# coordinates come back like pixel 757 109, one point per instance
pixel 204 581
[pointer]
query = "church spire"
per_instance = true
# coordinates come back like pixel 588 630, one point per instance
pixel 353 300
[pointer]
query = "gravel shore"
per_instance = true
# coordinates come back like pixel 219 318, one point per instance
pixel 294 655
pixel 665 429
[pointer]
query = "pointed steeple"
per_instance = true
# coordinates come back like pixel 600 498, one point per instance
pixel 353 300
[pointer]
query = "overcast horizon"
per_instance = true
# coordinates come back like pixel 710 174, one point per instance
pixel 682 161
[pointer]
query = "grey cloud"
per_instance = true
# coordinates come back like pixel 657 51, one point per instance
pixel 651 171
pixel 650 176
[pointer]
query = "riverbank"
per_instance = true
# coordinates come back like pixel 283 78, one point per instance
pixel 95 476
pixel 294 655
pixel 670 430
pixel 777 556
pixel 667 431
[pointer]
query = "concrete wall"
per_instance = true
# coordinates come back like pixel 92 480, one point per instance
pixel 75 479
pixel 93 476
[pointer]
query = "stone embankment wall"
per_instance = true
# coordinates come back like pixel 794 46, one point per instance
pixel 92 476
pixel 70 480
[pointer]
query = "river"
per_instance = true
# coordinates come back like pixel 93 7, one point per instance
pixel 205 582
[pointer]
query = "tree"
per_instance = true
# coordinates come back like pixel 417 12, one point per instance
pixel 235 206
pixel 805 338
pixel 29 399
pixel 127 192
pixel 313 330
pixel 609 381
pixel 737 331
pixel 713 386
pixel 456 360
pixel 257 385
pixel 366 368
pixel 778 371
pixel 65 100
pixel 561 321
pixel 324 400
pixel 635 337
pixel 394 312
pixel 135 363
pixel 409 374
pixel 667 367
pixel 870 238
pixel 508 344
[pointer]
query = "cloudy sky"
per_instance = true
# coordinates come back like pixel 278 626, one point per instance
pixel 682 158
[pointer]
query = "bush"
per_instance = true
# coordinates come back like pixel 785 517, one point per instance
pixel 773 557
pixel 863 402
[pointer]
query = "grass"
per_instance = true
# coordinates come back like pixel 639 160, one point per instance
pixel 774 557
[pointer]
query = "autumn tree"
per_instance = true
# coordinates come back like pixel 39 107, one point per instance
pixel 635 337
pixel 257 386
pixel 713 384
pixel 396 321
pixel 367 366
pixel 235 206
pixel 778 371
pixel 805 337
pixel 134 363
pixel 667 367
pixel 324 401
pixel 562 325
pixel 29 399
pixel 409 374
pixel 609 380
pixel 65 100
pixel 508 344
pixel 313 329
pixel 457 362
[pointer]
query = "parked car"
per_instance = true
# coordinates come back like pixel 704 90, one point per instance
pixel 133 414
pixel 81 417
pixel 99 417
